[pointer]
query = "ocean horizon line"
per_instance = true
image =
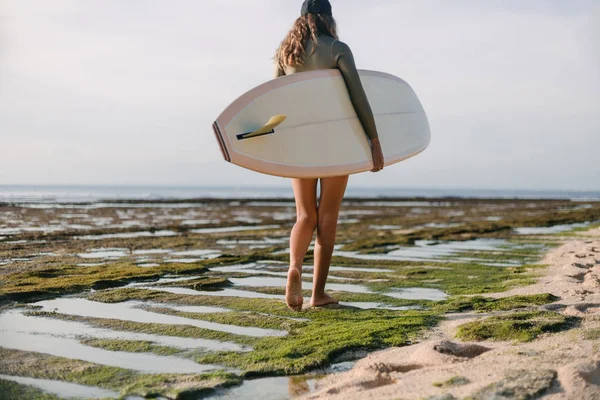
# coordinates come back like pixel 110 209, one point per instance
pixel 96 193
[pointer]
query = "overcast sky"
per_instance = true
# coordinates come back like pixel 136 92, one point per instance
pixel 125 91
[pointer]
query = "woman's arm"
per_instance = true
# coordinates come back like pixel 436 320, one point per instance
pixel 345 62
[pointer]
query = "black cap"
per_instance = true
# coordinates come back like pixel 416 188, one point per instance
pixel 316 7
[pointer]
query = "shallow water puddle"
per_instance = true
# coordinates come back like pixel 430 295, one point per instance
pixel 166 279
pixel 439 225
pixel 271 204
pixel 12 337
pixel 65 389
pixel 365 305
pixel 355 269
pixel 264 281
pixel 152 252
pixel 403 204
pixel 199 222
pixel 93 206
pixel 548 230
pixel 248 220
pixel 281 388
pixel 191 260
pixel 399 293
pixel 218 293
pixel 234 229
pixel 385 227
pixel 348 221
pixel 417 294
pixel 127 235
pixel 188 309
pixel 17 322
pixel 368 305
pixel 128 311
pixel 197 253
pixel 90 264
pixel 262 241
pixel 258 269
pixel 111 253
pixel 261 266
pixel 23 229
pixel 427 250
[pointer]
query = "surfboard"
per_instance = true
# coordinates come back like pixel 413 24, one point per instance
pixel 304 125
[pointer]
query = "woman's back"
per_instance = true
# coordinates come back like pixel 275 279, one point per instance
pixel 330 53
pixel 321 58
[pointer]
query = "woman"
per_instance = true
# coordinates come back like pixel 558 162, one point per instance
pixel 312 44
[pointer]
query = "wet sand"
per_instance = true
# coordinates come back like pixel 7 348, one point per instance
pixel 563 365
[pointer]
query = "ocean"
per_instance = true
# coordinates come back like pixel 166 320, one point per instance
pixel 79 194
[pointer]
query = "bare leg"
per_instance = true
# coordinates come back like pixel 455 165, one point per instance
pixel 305 192
pixel 332 193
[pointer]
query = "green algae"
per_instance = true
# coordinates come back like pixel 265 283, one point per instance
pixel 150 328
pixel 592 334
pixel 131 346
pixel 330 332
pixel 486 304
pixel 127 382
pixel 201 283
pixel 16 391
pixel 65 279
pixel 238 318
pixel 269 306
pixel 318 343
pixel 461 278
pixel 521 326
pixel 454 381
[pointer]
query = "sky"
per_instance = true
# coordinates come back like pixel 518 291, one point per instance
pixel 121 92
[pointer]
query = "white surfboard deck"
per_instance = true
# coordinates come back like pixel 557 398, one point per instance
pixel 320 135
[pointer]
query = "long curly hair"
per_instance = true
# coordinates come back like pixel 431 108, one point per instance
pixel 292 50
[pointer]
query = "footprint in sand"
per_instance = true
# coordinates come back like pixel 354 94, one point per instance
pixel 467 350
pixel 583 266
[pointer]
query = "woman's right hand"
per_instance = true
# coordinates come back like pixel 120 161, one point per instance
pixel 377 154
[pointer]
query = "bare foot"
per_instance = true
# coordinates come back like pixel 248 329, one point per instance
pixel 322 300
pixel 293 290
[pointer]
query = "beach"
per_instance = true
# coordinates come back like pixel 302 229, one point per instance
pixel 561 365
pixel 184 298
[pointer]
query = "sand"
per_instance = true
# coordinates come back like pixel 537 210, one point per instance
pixel 564 365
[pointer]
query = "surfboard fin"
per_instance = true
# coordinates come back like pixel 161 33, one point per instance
pixel 267 129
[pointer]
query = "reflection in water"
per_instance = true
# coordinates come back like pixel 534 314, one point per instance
pixel 281 388
pixel 127 235
pixel 69 347
pixel 547 230
pixel 15 321
pixel 434 251
pixel 234 229
pixel 128 311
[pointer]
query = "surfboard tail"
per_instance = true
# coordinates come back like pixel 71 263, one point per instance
pixel 221 142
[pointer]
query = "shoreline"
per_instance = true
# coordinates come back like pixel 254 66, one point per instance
pixel 562 365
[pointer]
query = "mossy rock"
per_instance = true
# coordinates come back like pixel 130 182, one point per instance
pixel 517 385
pixel 484 304
pixel 522 326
